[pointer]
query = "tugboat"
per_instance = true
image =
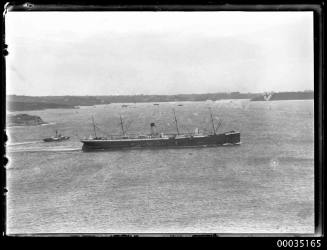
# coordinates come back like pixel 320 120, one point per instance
pixel 56 138
pixel 156 140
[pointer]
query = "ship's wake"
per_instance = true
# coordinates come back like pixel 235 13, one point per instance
pixel 23 143
pixel 43 149
pixel 48 124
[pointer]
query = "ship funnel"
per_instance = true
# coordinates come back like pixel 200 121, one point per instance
pixel 196 131
pixel 153 128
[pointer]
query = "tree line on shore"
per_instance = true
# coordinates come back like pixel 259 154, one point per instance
pixel 20 102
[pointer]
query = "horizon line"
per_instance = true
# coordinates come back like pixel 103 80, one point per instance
pixel 232 92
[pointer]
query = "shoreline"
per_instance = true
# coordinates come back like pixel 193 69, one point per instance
pixel 15 112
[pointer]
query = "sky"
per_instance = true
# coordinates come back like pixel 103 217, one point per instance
pixel 128 53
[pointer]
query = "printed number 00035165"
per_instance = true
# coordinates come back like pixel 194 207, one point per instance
pixel 299 243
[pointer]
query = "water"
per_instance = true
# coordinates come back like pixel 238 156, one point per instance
pixel 266 185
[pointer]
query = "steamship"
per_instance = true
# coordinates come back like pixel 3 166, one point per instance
pixel 56 138
pixel 161 140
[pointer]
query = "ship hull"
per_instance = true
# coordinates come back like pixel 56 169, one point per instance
pixel 230 138
pixel 56 139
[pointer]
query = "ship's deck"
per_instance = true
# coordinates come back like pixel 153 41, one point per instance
pixel 143 139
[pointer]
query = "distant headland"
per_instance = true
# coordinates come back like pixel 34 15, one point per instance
pixel 285 96
pixel 21 106
pixel 21 103
pixel 24 120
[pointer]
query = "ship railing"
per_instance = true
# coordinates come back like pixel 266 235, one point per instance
pixel 146 136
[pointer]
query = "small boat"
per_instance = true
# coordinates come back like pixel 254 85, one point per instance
pixel 124 106
pixel 180 105
pixel 58 137
pixel 156 104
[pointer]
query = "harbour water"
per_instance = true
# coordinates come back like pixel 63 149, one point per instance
pixel 265 185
